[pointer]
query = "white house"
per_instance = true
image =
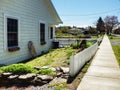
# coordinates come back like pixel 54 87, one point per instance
pixel 22 21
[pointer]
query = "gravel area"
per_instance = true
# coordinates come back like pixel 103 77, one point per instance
pixel 45 87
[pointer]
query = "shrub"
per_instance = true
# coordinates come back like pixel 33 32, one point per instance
pixel 89 44
pixel 18 69
pixel 75 46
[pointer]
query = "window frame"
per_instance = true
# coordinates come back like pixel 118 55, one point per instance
pixel 51 32
pixel 43 42
pixel 13 48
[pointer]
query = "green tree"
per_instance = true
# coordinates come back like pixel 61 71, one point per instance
pixel 110 23
pixel 92 30
pixel 64 29
pixel 100 25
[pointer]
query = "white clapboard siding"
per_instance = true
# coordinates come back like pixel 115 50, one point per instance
pixel 29 13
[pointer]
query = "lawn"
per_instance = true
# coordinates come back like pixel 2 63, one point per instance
pixel 54 58
pixel 57 57
pixel 114 38
pixel 116 49
pixel 64 35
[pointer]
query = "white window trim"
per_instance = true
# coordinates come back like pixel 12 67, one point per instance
pixel 52 33
pixel 49 32
pixel 40 21
pixel 5 29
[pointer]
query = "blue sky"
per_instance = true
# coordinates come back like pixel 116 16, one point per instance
pixel 85 12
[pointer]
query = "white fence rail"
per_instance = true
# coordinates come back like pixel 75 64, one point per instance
pixel 63 42
pixel 66 42
pixel 78 61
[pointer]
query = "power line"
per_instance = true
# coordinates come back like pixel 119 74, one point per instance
pixel 93 14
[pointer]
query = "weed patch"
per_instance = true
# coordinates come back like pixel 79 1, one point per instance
pixel 46 71
pixel 56 57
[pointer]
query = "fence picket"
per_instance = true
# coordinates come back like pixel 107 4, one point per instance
pixel 78 61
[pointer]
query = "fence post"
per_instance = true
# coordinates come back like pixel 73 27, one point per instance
pixel 78 60
pixel 71 66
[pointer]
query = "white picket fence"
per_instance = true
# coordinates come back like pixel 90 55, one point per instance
pixel 63 42
pixel 78 61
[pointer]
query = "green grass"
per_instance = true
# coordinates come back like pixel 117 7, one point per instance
pixel 113 38
pixel 57 57
pixel 116 49
pixel 58 85
pixel 54 58
pixel 64 35
pixel 46 71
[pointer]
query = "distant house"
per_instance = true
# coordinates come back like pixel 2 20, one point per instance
pixel 77 30
pixel 24 21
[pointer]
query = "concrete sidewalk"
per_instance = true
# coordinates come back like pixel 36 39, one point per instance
pixel 104 72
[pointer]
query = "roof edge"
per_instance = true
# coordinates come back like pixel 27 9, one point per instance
pixel 59 21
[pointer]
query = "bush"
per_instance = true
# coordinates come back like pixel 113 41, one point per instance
pixel 18 69
pixel 75 46
pixel 89 44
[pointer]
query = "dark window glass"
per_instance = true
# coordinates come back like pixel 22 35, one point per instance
pixel 42 33
pixel 12 32
pixel 51 32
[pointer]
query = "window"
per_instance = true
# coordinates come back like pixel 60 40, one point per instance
pixel 42 33
pixel 12 34
pixel 51 32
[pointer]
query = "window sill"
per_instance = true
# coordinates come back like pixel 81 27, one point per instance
pixel 12 49
pixel 43 43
